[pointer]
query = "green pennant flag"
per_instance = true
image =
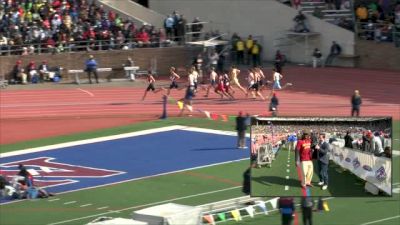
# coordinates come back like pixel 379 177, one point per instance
pixel 171 100
pixel 222 216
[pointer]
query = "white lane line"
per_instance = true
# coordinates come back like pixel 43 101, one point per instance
pixel 114 137
pixel 90 141
pixel 71 202
pixel 377 221
pixel 54 199
pixel 286 188
pixel 114 211
pixel 86 205
pixel 287 177
pixel 87 92
pixel 287 170
pixel 146 205
pixel 288 165
pixel 104 207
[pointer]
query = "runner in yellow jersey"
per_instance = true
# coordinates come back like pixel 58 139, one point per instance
pixel 234 73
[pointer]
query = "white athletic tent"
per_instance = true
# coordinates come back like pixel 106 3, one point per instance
pixel 170 213
pixel 115 221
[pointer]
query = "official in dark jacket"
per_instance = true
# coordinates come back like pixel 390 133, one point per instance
pixel 323 161
pixel 356 103
pixel 287 209
pixel 307 205
pixel 273 105
pixel 348 140
pixel 241 127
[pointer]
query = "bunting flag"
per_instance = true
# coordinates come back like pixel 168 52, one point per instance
pixel 262 205
pixel 236 215
pixel 207 114
pixel 171 100
pixel 274 202
pixel 222 216
pixel 214 116
pixel 209 219
pixel 180 104
pixel 250 211
pixel 325 206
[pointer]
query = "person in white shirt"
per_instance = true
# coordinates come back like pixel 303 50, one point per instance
pixel 195 74
pixel 377 147
pixel 277 77
pixel 173 77
pixel 213 81
pixel 214 59
pixel 44 71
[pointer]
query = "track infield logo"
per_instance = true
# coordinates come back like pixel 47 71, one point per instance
pixel 48 173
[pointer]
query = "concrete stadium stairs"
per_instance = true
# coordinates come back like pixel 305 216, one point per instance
pixel 134 11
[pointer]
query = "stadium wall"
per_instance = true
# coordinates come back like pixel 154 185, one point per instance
pixel 377 55
pixel 269 19
pixel 166 57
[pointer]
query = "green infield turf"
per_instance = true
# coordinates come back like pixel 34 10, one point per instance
pixel 193 187
pixel 282 180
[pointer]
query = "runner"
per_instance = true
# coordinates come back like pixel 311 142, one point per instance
pixel 189 93
pixel 227 85
pixel 221 87
pixel 251 80
pixel 151 87
pixel 195 74
pixel 234 73
pixel 256 84
pixel 277 77
pixel 213 81
pixel 173 77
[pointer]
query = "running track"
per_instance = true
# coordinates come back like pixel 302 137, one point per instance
pixel 31 114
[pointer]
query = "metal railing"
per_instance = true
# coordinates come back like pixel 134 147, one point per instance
pixel 379 32
pixel 86 45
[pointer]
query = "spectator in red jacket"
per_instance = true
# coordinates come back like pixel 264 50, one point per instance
pixel 304 159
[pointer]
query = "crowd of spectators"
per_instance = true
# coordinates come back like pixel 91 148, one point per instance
pixel 378 20
pixel 61 25
pixel 354 136
pixel 21 186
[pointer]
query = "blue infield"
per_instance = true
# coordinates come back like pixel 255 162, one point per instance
pixel 83 166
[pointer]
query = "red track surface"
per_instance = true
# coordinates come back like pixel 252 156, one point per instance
pixel 32 114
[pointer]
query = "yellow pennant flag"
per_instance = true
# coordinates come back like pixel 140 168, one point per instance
pixel 236 215
pixel 325 205
pixel 180 104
